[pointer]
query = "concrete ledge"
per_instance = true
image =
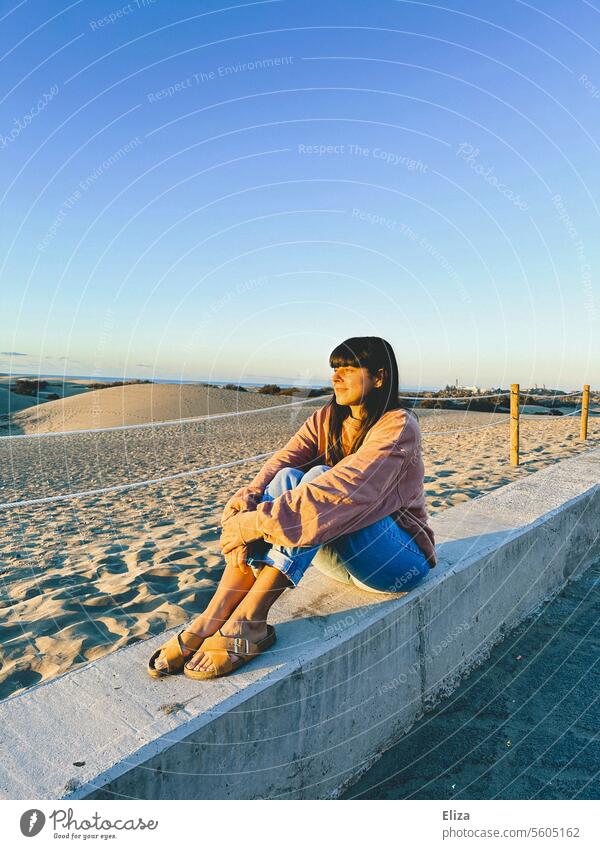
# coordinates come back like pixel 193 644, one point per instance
pixel 349 674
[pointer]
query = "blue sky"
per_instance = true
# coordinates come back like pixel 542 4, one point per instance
pixel 212 191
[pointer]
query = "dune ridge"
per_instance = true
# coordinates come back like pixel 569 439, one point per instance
pixel 137 404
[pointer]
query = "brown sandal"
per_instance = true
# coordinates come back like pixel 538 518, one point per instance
pixel 173 650
pixel 218 647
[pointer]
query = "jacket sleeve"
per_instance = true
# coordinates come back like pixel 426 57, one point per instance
pixel 342 499
pixel 298 452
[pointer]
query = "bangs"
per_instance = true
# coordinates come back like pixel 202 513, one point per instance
pixel 347 354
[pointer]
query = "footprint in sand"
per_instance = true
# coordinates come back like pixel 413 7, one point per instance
pixel 113 549
pixel 19 680
pixel 122 598
pixel 174 556
pixel 98 601
pixel 9 632
pixel 149 606
pixel 111 566
pixel 63 586
pixel 172 533
pixel 161 581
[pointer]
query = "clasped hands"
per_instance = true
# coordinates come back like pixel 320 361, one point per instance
pixel 238 530
pixel 238 523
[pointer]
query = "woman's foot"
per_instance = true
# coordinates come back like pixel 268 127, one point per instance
pixel 236 626
pixel 203 626
pixel 232 588
pixel 249 618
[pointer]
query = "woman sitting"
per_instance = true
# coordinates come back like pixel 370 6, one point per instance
pixel 345 494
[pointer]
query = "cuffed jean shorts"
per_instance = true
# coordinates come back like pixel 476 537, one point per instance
pixel 381 557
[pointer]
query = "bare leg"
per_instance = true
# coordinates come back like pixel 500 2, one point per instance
pixel 230 591
pixel 249 619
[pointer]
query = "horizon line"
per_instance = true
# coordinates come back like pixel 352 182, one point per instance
pixel 261 382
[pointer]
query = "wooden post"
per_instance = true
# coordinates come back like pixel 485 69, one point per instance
pixel 514 424
pixel 585 406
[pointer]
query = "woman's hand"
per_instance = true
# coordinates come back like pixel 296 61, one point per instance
pixel 237 557
pixel 244 499
pixel 239 530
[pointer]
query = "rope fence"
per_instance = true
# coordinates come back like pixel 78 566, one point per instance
pixel 143 425
pixel 513 421
pixel 483 397
pixel 287 406
pixel 122 487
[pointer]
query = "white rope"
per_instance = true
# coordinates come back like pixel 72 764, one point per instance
pixel 537 416
pixel 70 496
pixel 554 397
pixel 531 416
pixel 451 397
pixel 260 410
pixel 161 424
pixel 482 397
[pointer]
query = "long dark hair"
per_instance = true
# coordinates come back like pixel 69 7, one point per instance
pixel 372 353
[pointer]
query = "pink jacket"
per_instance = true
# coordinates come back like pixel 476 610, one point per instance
pixel 384 477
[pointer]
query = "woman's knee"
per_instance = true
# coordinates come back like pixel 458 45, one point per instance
pixel 315 472
pixel 289 477
pixel 289 472
pixel 286 478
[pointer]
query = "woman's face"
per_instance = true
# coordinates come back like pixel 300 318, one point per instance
pixel 352 384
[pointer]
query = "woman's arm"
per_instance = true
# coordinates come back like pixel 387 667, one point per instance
pixel 345 498
pixel 298 452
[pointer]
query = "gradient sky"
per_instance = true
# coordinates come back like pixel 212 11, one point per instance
pixel 226 191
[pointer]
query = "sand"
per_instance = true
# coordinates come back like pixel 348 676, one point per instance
pixel 82 578
pixel 135 404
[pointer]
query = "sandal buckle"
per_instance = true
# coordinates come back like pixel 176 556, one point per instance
pixel 237 645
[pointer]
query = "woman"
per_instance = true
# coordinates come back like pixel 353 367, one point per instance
pixel 345 494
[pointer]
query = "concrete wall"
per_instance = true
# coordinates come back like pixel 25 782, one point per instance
pixel 349 674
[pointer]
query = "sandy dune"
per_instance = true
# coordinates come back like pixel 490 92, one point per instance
pixel 84 577
pixel 136 404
